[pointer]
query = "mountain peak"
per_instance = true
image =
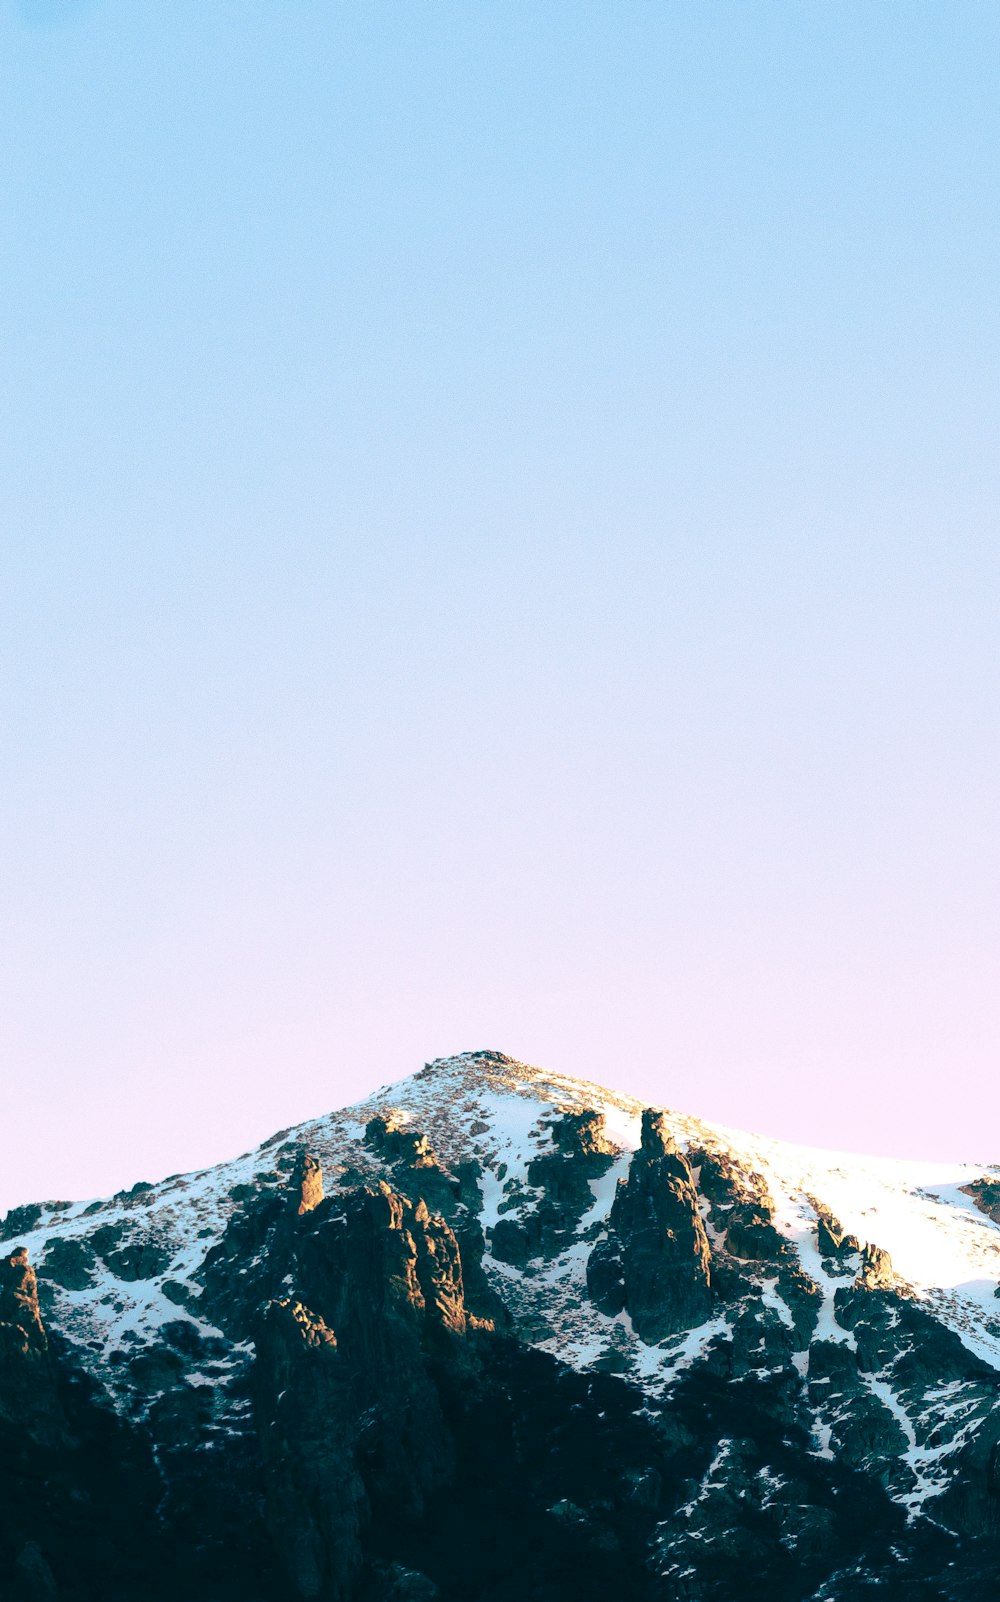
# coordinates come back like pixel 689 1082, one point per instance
pixel 850 1301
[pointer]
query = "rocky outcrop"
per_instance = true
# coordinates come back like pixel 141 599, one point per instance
pixel 876 1272
pixel 751 1235
pixel 131 1254
pixel 29 1399
pixel 19 1309
pixel 986 1195
pixel 249 1263
pixel 69 1263
pixel 77 1495
pixel 351 1378
pixel 414 1166
pixel 655 1259
pixel 20 1221
pixel 307 1183
pixel 316 1504
pixel 393 1138
pixel 831 1237
pixel 583 1136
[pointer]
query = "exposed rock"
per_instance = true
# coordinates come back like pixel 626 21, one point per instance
pixel 387 1277
pixel 393 1138
pixel 307 1183
pixel 717 1177
pixel 179 1293
pixel 834 1364
pixel 581 1154
pixel 469 1176
pixel 656 1139
pixel 731 1280
pixel 727 1184
pixel 876 1271
pixel 986 1195
pixel 248 1264
pixel 130 1255
pixel 829 1231
pixel 606 1276
pixel 347 1387
pixel 583 1135
pixel 514 1242
pixel 564 1175
pixel 19 1308
pixel 831 1237
pixel 69 1263
pixel 893 1331
pixel 971 1501
pixel 802 1296
pixel 760 1340
pixel 661 1241
pixel 316 1504
pixel 135 1193
pixel 20 1221
pixel 752 1236
pixel 416 1171
pixel 865 1434
pixel 29 1398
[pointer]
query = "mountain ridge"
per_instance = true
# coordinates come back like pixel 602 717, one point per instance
pixel 526 1224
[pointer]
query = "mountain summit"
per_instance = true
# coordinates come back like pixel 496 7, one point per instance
pixel 499 1334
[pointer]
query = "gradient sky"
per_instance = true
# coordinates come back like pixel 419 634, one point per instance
pixel 499 548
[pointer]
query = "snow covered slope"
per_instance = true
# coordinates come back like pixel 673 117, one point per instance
pixel 891 1363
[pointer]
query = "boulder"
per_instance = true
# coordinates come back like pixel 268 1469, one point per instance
pixel 751 1234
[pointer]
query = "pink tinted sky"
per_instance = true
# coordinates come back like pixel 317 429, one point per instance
pixel 500 551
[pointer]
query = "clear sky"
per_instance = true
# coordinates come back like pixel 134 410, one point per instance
pixel 499 548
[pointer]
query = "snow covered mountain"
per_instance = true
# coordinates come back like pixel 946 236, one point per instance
pixel 496 1333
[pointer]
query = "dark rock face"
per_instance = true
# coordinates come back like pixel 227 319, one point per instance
pixel 751 1234
pixel 29 1399
pixel 606 1276
pixel 316 1502
pixel 65 1464
pixel 655 1261
pixel 20 1221
pixel 246 1267
pixel 348 1388
pixel 130 1254
pixel 69 1263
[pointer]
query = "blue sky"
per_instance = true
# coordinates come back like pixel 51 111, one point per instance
pixel 499 549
